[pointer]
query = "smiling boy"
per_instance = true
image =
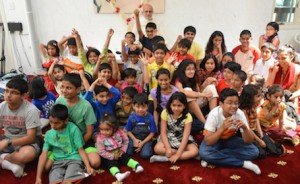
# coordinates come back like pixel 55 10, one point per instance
pixel 221 146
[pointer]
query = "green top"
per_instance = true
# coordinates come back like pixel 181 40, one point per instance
pixel 81 114
pixel 64 144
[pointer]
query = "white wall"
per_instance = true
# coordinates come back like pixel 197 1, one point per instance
pixel 55 18
pixel 9 64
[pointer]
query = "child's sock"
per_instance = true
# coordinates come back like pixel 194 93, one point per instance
pixel 122 176
pixel 251 166
pixel 2 156
pixel 204 163
pixel 158 158
pixel 139 169
pixel 15 168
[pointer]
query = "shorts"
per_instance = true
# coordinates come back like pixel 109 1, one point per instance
pixel 67 170
pixel 37 147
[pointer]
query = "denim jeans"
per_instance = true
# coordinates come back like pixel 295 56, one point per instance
pixel 230 152
pixel 146 151
pixel 197 126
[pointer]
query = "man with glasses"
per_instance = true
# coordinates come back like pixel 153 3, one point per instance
pixel 20 119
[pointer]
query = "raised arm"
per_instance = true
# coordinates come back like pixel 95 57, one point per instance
pixel 115 68
pixel 85 82
pixel 123 50
pixel 173 48
pixel 63 41
pixel 272 75
pixel 108 38
pixel 43 49
pixel 96 68
pixel 138 23
pixel 145 61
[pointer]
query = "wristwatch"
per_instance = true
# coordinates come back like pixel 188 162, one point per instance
pixel 8 141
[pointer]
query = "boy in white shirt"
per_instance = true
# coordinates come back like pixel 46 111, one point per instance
pixel 266 61
pixel 221 146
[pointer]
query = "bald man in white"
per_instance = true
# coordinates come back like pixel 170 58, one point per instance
pixel 147 16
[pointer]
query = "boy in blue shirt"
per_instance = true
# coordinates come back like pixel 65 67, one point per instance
pixel 66 143
pixel 141 128
pixel 106 97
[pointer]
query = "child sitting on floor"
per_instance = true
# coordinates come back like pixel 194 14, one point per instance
pixel 124 108
pixel 250 100
pixel 175 142
pixel 271 116
pixel 65 141
pixel 112 144
pixel 141 128
pixel 221 146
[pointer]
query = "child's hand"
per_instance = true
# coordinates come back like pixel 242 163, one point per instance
pixel 262 143
pixel 144 59
pixel 139 146
pixel 38 181
pixel 75 33
pixel 138 149
pixel 228 123
pixel 261 135
pixel 219 47
pixel 174 158
pixel 99 81
pixel 275 68
pixel 60 61
pixel 111 57
pixel 136 12
pixel 136 142
pixel 168 152
pixel 116 156
pixel 209 81
pixel 179 37
pixel 123 41
pixel 110 32
pixel 207 94
pixel 90 171
pixel 240 124
pixel 172 58
pixel 101 57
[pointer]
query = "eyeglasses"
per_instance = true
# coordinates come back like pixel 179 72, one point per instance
pixel 232 103
pixel 6 91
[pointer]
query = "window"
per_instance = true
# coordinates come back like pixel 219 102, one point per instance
pixel 287 12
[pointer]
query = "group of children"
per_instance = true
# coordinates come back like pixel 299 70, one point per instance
pixel 99 114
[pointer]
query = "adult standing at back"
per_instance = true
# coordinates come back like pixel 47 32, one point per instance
pixel 147 15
